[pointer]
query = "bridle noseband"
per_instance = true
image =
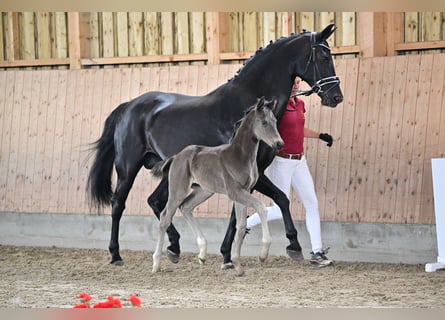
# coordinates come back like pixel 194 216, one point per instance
pixel 318 85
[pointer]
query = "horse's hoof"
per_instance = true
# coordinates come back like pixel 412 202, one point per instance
pixel 202 261
pixel 262 259
pixel 173 257
pixel 295 255
pixel 117 263
pixel 227 266
pixel 240 272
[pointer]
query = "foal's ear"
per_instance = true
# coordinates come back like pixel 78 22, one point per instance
pixel 260 103
pixel 326 33
pixel 272 104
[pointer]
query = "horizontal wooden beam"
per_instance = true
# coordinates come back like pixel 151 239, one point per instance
pixel 35 63
pixel 144 59
pixel 425 45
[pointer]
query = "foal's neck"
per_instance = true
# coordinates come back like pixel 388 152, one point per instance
pixel 245 143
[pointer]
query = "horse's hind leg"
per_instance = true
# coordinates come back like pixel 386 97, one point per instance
pixel 197 197
pixel 226 246
pixel 123 187
pixel 157 201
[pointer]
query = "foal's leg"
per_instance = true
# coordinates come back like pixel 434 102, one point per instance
pixel 266 187
pixel 241 213
pixel 165 220
pixel 197 197
pixel 157 201
pixel 248 200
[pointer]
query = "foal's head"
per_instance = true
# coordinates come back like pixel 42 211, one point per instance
pixel 265 123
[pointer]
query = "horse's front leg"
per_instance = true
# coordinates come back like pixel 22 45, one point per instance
pixel 241 213
pixel 266 187
pixel 157 201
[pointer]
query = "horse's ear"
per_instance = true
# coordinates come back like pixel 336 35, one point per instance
pixel 326 33
pixel 273 104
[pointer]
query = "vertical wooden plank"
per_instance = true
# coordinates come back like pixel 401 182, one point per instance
pixel 86 108
pixel 152 33
pixel 39 154
pixel 377 201
pixel 74 40
pixel 44 38
pixel 395 26
pixel 395 140
pixel 167 35
pixel 66 146
pixel 94 37
pixel 250 31
pixel 32 141
pixel 406 142
pixel 234 32
pixel 121 35
pixel 48 138
pixel 359 164
pixel 269 29
pixel 432 146
pixel 346 138
pixel 60 35
pixel 212 37
pixel 9 35
pixel 419 139
pixel 306 21
pixel 14 147
pixel 371 169
pixel 328 212
pixel 431 28
pixel 197 34
pixel 6 105
pixel 135 34
pixel 58 156
pixel 3 22
pixel 27 47
pixel 107 34
pixel 76 119
pixel 411 29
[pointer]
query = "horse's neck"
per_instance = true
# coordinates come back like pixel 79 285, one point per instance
pixel 244 144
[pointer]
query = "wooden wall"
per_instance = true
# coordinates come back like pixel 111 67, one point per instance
pixel 386 131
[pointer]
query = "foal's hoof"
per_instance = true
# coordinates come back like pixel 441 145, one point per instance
pixel 202 261
pixel 173 257
pixel 117 263
pixel 296 255
pixel 227 266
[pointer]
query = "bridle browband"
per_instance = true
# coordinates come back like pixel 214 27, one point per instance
pixel 318 85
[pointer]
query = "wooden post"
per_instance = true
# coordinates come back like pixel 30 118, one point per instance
pixel 212 37
pixel 395 31
pixel 372 34
pixel 74 40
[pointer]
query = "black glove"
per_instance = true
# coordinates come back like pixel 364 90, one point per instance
pixel 327 138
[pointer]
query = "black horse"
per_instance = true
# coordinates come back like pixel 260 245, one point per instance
pixel 157 125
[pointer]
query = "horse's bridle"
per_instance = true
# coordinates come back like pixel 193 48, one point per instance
pixel 318 85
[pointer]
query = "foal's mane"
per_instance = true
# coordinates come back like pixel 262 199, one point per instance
pixel 238 123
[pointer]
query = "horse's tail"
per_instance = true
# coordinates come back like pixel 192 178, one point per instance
pixel 161 168
pixel 99 185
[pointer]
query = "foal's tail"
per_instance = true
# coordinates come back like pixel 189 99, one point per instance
pixel 99 185
pixel 161 168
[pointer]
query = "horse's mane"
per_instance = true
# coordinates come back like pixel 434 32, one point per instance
pixel 261 50
pixel 238 123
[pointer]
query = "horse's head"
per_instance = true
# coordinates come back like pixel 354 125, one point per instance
pixel 318 70
pixel 265 125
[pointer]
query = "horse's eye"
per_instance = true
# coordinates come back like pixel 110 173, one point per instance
pixel 264 123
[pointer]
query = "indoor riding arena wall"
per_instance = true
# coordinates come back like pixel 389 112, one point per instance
pixel 374 184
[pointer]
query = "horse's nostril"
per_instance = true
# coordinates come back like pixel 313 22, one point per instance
pixel 338 98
